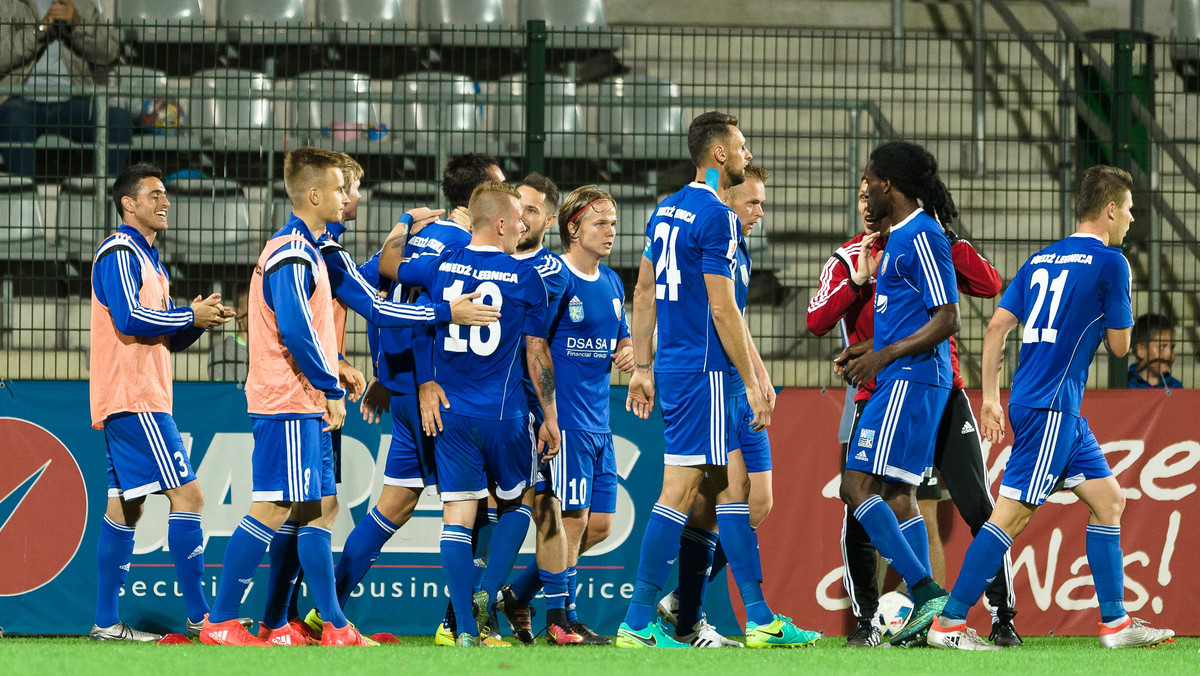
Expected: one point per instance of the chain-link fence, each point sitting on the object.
(218, 106)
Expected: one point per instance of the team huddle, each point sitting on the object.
(494, 355)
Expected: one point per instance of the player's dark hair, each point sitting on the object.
(705, 131)
(914, 172)
(463, 174)
(129, 183)
(1098, 186)
(1149, 325)
(546, 187)
(573, 209)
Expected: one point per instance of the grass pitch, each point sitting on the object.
(1063, 655)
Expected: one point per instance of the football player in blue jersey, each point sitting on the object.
(693, 245)
(485, 437)
(588, 335)
(1071, 297)
(701, 556)
(916, 311)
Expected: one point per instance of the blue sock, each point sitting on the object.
(979, 567)
(880, 523)
(733, 520)
(1108, 570)
(314, 544)
(528, 583)
(243, 553)
(696, 548)
(660, 547)
(481, 543)
(555, 585)
(457, 564)
(360, 551)
(294, 602)
(510, 532)
(114, 551)
(285, 566)
(719, 561)
(572, 616)
(917, 537)
(186, 542)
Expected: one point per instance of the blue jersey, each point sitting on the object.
(741, 291)
(549, 267)
(692, 233)
(479, 366)
(396, 356)
(583, 340)
(1066, 295)
(915, 276)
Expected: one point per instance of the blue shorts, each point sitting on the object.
(696, 418)
(584, 473)
(331, 452)
(292, 461)
(145, 455)
(471, 453)
(410, 457)
(756, 446)
(896, 433)
(1049, 446)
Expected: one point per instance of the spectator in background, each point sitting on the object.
(45, 44)
(229, 358)
(1154, 352)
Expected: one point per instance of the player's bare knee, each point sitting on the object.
(187, 498)
(1109, 509)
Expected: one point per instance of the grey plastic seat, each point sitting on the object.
(178, 21)
(268, 22)
(78, 231)
(437, 114)
(571, 14)
(209, 223)
(641, 118)
(235, 112)
(565, 133)
(486, 17)
(363, 22)
(332, 109)
(24, 238)
(388, 201)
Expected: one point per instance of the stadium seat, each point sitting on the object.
(363, 35)
(569, 14)
(78, 231)
(436, 114)
(640, 120)
(170, 35)
(635, 205)
(210, 223)
(485, 16)
(332, 109)
(273, 36)
(388, 201)
(228, 118)
(24, 238)
(565, 134)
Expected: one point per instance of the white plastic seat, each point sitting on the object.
(564, 126)
(486, 17)
(642, 118)
(388, 201)
(436, 114)
(363, 22)
(237, 113)
(155, 21)
(25, 236)
(635, 204)
(259, 22)
(209, 223)
(332, 109)
(77, 229)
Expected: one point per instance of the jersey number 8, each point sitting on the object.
(489, 295)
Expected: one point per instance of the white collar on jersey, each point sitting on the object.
(527, 256)
(453, 224)
(903, 223)
(577, 273)
(1088, 234)
(703, 186)
(484, 247)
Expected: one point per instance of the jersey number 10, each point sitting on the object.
(489, 294)
(666, 263)
(1041, 279)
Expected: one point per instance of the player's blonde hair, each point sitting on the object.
(351, 171)
(306, 168)
(574, 207)
(488, 199)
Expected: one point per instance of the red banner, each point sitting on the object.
(1151, 441)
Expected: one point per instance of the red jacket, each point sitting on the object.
(838, 302)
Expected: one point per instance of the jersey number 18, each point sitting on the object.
(489, 294)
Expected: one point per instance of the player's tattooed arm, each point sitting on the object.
(541, 368)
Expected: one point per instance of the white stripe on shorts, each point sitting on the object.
(157, 449)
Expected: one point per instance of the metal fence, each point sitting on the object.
(218, 108)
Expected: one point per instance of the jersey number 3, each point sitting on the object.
(1041, 279)
(668, 288)
(489, 294)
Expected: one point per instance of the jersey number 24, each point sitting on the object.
(666, 266)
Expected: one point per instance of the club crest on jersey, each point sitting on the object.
(883, 265)
(617, 307)
(745, 275)
(575, 309)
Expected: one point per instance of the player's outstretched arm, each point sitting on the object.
(640, 400)
(349, 286)
(991, 413)
(943, 324)
(541, 374)
(411, 221)
(731, 330)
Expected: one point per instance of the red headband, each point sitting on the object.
(584, 207)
